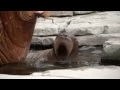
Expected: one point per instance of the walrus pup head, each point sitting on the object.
(66, 47)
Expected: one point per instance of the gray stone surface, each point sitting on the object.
(42, 40)
(61, 26)
(111, 52)
(85, 29)
(104, 18)
(96, 23)
(61, 13)
(43, 29)
(82, 12)
(96, 72)
(113, 28)
(96, 39)
(83, 40)
(112, 45)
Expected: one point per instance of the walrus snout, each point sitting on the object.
(63, 46)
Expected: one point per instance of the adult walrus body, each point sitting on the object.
(16, 30)
(65, 48)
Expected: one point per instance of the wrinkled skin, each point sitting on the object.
(65, 49)
(16, 32)
(63, 46)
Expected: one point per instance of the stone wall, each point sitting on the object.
(90, 27)
(69, 13)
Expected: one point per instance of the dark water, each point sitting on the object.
(90, 56)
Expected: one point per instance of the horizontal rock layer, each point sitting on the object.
(83, 40)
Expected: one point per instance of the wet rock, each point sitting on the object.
(111, 52)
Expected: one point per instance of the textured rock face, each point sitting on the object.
(92, 29)
(112, 45)
(82, 40)
(61, 13)
(43, 40)
(85, 29)
(111, 52)
(46, 29)
(96, 39)
(82, 12)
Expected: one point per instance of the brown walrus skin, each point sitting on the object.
(16, 30)
(65, 48)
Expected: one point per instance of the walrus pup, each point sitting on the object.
(65, 49)
(16, 30)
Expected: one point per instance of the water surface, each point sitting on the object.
(89, 55)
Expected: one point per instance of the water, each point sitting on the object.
(89, 55)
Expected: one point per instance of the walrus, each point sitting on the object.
(65, 49)
(16, 30)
